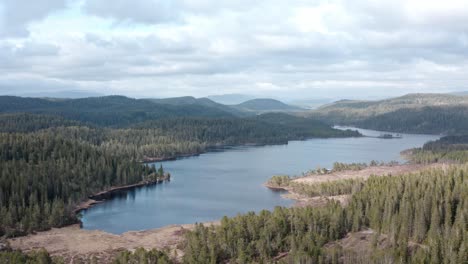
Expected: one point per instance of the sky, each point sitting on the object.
(268, 48)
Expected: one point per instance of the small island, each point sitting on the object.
(389, 136)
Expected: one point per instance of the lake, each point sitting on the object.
(230, 181)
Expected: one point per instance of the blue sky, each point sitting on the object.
(292, 49)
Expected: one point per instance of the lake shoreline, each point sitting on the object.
(104, 195)
(192, 168)
(72, 242)
(364, 174)
(218, 147)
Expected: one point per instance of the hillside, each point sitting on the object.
(409, 101)
(204, 102)
(266, 105)
(230, 99)
(56, 153)
(72, 94)
(416, 113)
(108, 110)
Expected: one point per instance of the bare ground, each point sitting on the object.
(301, 200)
(365, 173)
(75, 245)
(358, 247)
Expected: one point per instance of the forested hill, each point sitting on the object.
(108, 110)
(266, 105)
(206, 102)
(54, 153)
(446, 149)
(413, 113)
(409, 101)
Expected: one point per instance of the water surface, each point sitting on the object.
(209, 186)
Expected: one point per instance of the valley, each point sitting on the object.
(211, 157)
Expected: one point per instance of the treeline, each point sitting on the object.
(111, 111)
(445, 149)
(43, 175)
(23, 122)
(49, 163)
(281, 181)
(427, 210)
(141, 255)
(356, 166)
(428, 120)
(330, 188)
(413, 113)
(168, 138)
(18, 257)
(258, 238)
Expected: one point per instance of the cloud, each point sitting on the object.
(161, 11)
(15, 15)
(143, 11)
(33, 49)
(295, 48)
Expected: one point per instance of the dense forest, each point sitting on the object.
(114, 111)
(424, 215)
(413, 113)
(43, 175)
(430, 120)
(167, 138)
(445, 149)
(55, 153)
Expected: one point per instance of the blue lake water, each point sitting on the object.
(228, 182)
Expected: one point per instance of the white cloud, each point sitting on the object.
(15, 15)
(283, 48)
(144, 11)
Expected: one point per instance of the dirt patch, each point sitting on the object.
(361, 242)
(303, 201)
(365, 173)
(362, 246)
(73, 243)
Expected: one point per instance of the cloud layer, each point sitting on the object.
(294, 49)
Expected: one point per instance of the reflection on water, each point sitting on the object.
(228, 182)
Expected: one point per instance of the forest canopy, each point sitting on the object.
(55, 153)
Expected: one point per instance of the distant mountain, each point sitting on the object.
(266, 105)
(461, 93)
(206, 102)
(73, 94)
(310, 103)
(358, 108)
(416, 113)
(107, 110)
(230, 99)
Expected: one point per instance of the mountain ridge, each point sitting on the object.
(266, 105)
(412, 113)
(105, 110)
